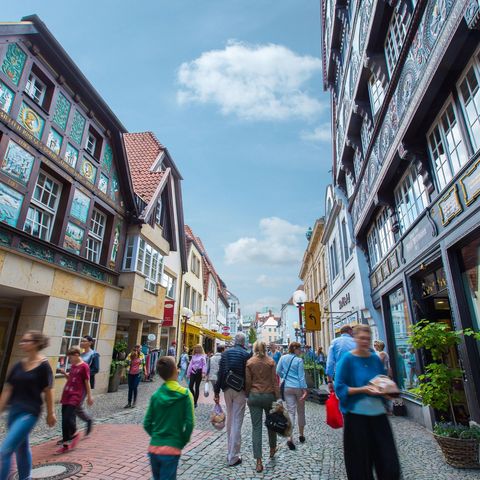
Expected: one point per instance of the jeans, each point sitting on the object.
(164, 467)
(133, 382)
(20, 424)
(181, 375)
(259, 403)
(69, 422)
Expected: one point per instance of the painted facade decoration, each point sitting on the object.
(6, 97)
(114, 187)
(116, 243)
(73, 238)
(103, 183)
(71, 155)
(28, 118)
(80, 206)
(54, 141)
(10, 204)
(62, 110)
(89, 170)
(14, 62)
(107, 159)
(77, 128)
(17, 163)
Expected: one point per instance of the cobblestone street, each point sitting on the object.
(118, 445)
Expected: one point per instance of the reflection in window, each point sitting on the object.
(403, 355)
(470, 268)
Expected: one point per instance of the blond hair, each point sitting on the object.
(198, 349)
(260, 348)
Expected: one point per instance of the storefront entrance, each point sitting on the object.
(8, 315)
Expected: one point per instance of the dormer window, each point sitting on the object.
(36, 89)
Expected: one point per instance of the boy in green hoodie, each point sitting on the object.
(169, 421)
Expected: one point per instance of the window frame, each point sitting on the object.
(29, 86)
(395, 38)
(150, 265)
(95, 237)
(347, 250)
(376, 100)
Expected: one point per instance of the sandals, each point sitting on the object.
(259, 467)
(273, 451)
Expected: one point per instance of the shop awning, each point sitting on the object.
(213, 334)
(193, 329)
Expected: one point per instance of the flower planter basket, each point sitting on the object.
(460, 452)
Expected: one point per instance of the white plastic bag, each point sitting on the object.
(217, 417)
(206, 390)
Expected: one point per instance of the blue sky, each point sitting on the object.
(233, 88)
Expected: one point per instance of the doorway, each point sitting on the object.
(8, 314)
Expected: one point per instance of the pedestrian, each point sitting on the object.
(197, 370)
(169, 421)
(344, 343)
(22, 392)
(135, 363)
(309, 354)
(320, 359)
(90, 357)
(183, 364)
(274, 353)
(231, 379)
(379, 348)
(367, 436)
(262, 389)
(75, 390)
(214, 365)
(290, 370)
(172, 349)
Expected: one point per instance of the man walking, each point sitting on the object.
(231, 379)
(172, 349)
(344, 343)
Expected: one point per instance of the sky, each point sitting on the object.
(234, 90)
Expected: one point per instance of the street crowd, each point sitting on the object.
(263, 379)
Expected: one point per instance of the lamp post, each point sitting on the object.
(299, 298)
(186, 315)
(296, 327)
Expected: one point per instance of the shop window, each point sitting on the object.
(469, 91)
(446, 145)
(403, 356)
(81, 320)
(43, 207)
(410, 199)
(470, 268)
(150, 265)
(95, 236)
(376, 93)
(395, 37)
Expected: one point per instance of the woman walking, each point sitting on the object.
(367, 436)
(183, 364)
(261, 387)
(380, 349)
(135, 366)
(90, 357)
(214, 365)
(23, 389)
(321, 359)
(196, 371)
(290, 370)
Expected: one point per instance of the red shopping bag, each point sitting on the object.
(334, 415)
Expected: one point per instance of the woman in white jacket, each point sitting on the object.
(214, 365)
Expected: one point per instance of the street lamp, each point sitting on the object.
(299, 298)
(186, 315)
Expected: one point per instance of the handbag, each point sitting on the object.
(277, 422)
(282, 385)
(334, 415)
(234, 381)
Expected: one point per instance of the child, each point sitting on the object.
(75, 390)
(169, 421)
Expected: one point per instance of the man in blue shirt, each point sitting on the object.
(309, 356)
(274, 353)
(344, 343)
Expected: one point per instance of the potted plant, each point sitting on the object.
(120, 350)
(459, 443)
(116, 372)
(314, 372)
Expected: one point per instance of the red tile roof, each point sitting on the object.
(143, 150)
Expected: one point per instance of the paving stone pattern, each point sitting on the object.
(117, 448)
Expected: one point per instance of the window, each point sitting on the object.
(470, 98)
(193, 303)
(186, 295)
(170, 283)
(373, 247)
(212, 290)
(333, 259)
(91, 144)
(81, 320)
(350, 184)
(395, 37)
(129, 253)
(410, 199)
(95, 236)
(376, 92)
(347, 251)
(446, 146)
(385, 234)
(233, 307)
(150, 264)
(42, 210)
(403, 355)
(195, 265)
(35, 89)
(158, 213)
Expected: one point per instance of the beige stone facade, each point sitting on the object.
(313, 275)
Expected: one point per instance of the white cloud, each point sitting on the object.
(323, 133)
(280, 243)
(260, 304)
(253, 82)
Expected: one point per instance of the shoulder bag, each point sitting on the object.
(233, 380)
(282, 385)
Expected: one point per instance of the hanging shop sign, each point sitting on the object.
(168, 313)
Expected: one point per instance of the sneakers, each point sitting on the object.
(301, 438)
(63, 449)
(134, 404)
(74, 441)
(128, 405)
(291, 445)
